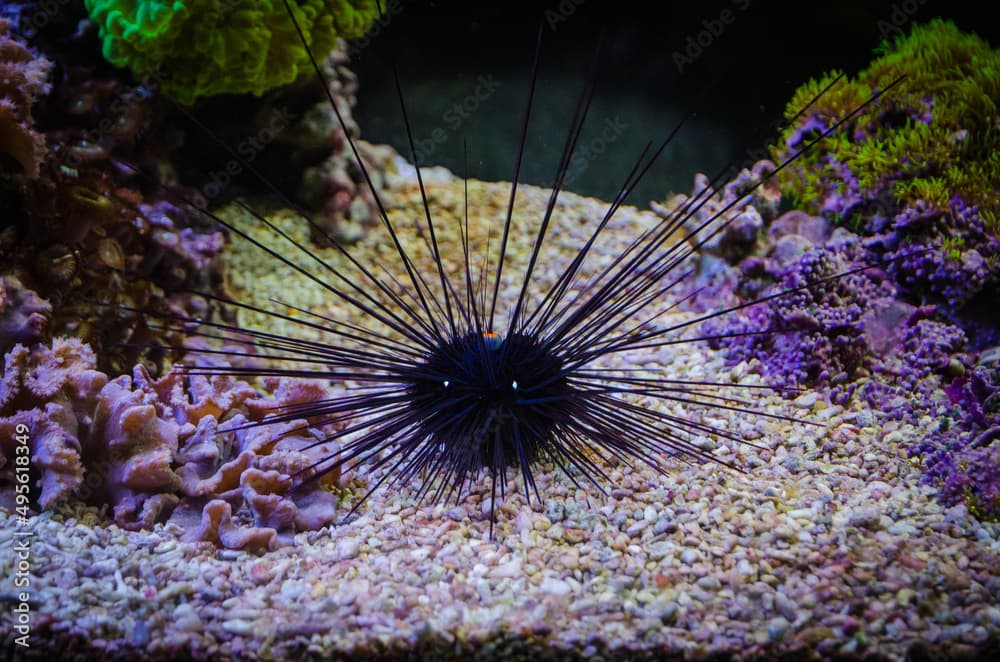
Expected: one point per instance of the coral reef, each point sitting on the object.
(855, 335)
(912, 183)
(154, 449)
(87, 232)
(23, 80)
(101, 232)
(919, 166)
(205, 47)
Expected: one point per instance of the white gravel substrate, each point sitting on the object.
(827, 546)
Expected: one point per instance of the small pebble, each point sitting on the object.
(807, 400)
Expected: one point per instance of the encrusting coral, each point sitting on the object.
(23, 80)
(155, 448)
(204, 47)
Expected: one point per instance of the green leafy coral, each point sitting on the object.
(933, 137)
(203, 47)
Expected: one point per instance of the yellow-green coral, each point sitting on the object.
(932, 137)
(202, 47)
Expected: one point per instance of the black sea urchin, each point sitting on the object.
(445, 383)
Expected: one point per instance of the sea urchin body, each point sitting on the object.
(447, 379)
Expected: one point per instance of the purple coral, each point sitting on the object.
(137, 447)
(953, 275)
(51, 391)
(815, 334)
(962, 457)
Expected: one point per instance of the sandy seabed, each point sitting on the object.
(827, 547)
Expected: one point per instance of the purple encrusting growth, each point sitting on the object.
(934, 254)
(813, 336)
(951, 275)
(964, 458)
(859, 337)
(915, 175)
(961, 457)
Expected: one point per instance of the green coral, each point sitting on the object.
(202, 47)
(934, 136)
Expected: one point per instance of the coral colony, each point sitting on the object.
(856, 268)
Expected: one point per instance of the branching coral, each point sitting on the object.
(205, 47)
(23, 80)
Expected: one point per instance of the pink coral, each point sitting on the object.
(23, 79)
(146, 446)
(51, 391)
(138, 446)
(189, 398)
(217, 526)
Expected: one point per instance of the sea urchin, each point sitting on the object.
(445, 384)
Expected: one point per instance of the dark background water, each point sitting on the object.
(476, 57)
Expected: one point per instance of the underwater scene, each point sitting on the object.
(409, 329)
